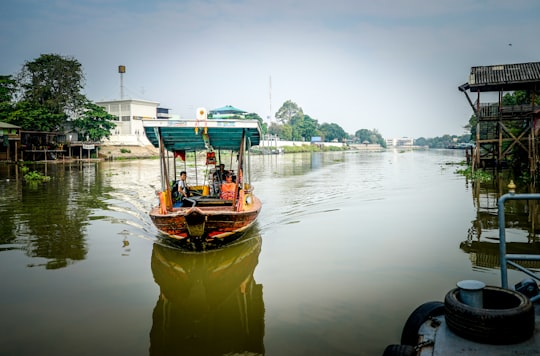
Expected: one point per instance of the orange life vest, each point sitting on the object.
(227, 191)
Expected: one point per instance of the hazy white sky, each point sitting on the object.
(390, 65)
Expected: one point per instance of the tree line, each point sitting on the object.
(46, 95)
(293, 125)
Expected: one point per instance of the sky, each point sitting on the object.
(388, 65)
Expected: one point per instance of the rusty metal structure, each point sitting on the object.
(505, 133)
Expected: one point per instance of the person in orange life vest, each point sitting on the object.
(228, 188)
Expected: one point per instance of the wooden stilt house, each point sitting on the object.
(10, 140)
(505, 133)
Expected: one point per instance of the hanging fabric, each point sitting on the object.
(181, 154)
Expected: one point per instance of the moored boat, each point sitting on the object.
(477, 319)
(209, 219)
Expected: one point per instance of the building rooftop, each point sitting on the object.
(507, 77)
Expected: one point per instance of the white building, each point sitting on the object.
(130, 113)
(400, 142)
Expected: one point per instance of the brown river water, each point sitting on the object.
(347, 245)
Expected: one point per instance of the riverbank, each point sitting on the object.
(128, 152)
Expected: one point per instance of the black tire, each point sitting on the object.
(409, 335)
(399, 350)
(507, 317)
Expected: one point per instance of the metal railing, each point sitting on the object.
(509, 259)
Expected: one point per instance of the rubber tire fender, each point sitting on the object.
(409, 335)
(399, 350)
(507, 317)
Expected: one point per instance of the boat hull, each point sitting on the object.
(205, 223)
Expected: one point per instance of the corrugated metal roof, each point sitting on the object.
(517, 76)
(227, 109)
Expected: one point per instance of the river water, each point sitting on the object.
(347, 245)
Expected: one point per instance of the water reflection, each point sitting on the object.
(209, 304)
(48, 220)
(521, 225)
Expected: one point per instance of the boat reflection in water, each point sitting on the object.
(209, 303)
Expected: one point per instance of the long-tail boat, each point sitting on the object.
(206, 220)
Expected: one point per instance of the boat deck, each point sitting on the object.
(448, 343)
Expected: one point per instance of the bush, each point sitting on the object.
(35, 176)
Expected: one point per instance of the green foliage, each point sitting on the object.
(7, 92)
(35, 118)
(478, 175)
(94, 122)
(332, 132)
(54, 83)
(364, 135)
(8, 85)
(444, 141)
(311, 148)
(49, 92)
(36, 176)
(125, 150)
(284, 131)
(520, 97)
(288, 111)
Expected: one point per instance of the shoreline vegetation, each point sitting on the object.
(140, 152)
(129, 152)
(115, 152)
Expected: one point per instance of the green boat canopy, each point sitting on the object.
(194, 135)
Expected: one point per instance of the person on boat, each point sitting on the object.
(228, 188)
(218, 177)
(220, 172)
(183, 190)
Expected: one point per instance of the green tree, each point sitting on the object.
(94, 122)
(520, 97)
(371, 136)
(34, 118)
(52, 83)
(363, 135)
(307, 128)
(8, 86)
(288, 111)
(284, 132)
(333, 132)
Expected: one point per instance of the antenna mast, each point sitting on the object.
(270, 98)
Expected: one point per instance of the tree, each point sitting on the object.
(287, 111)
(333, 132)
(284, 132)
(8, 86)
(520, 97)
(53, 84)
(94, 122)
(309, 128)
(34, 118)
(363, 135)
(53, 81)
